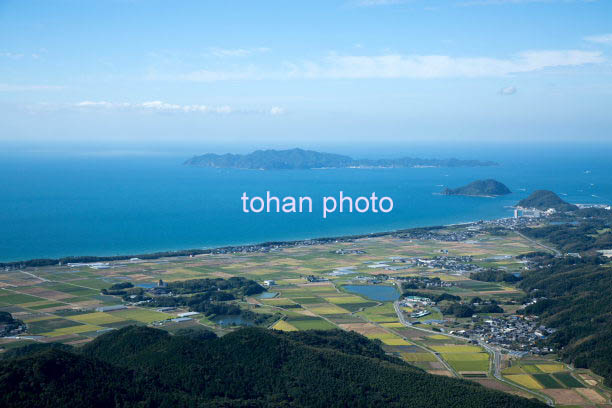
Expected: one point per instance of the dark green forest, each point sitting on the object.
(487, 187)
(145, 367)
(212, 297)
(587, 236)
(493, 275)
(574, 296)
(544, 199)
(574, 293)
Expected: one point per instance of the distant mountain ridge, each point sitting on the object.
(310, 159)
(487, 188)
(545, 199)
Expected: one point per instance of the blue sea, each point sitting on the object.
(54, 205)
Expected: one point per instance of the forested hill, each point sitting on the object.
(144, 367)
(544, 199)
(573, 293)
(309, 159)
(488, 187)
(575, 297)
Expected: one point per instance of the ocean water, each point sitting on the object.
(59, 205)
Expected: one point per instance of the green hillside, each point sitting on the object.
(575, 298)
(488, 187)
(144, 367)
(544, 199)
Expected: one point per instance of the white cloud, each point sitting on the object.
(509, 90)
(276, 110)
(402, 66)
(237, 52)
(600, 39)
(159, 106)
(372, 3)
(18, 56)
(27, 88)
(504, 2)
(204, 75)
(499, 2)
(11, 55)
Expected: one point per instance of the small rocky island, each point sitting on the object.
(309, 159)
(479, 188)
(545, 199)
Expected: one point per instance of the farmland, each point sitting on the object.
(558, 381)
(64, 303)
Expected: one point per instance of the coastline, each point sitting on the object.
(266, 246)
(255, 247)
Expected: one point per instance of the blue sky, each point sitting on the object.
(142, 73)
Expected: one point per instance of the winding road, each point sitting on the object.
(493, 351)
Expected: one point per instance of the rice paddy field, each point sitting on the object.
(564, 385)
(62, 303)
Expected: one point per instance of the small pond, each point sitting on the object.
(146, 285)
(267, 295)
(380, 293)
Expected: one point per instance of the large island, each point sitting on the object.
(309, 159)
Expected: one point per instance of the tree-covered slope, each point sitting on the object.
(249, 367)
(54, 378)
(487, 187)
(575, 298)
(585, 237)
(544, 199)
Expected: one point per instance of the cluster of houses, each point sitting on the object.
(278, 246)
(417, 304)
(453, 236)
(515, 332)
(313, 279)
(92, 265)
(423, 282)
(343, 251)
(459, 264)
(512, 223)
(12, 329)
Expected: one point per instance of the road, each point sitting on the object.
(437, 355)
(35, 276)
(493, 351)
(557, 252)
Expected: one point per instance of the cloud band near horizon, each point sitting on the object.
(159, 107)
(397, 66)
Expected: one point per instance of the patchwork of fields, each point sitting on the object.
(556, 380)
(59, 304)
